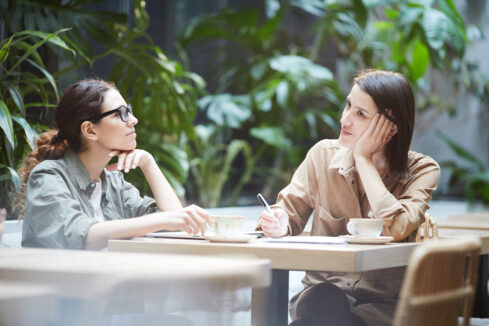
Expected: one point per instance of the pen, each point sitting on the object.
(267, 207)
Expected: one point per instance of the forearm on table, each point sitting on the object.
(100, 233)
(163, 193)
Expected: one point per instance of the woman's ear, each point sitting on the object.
(88, 131)
(393, 131)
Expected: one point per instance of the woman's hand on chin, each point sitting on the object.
(373, 140)
(130, 160)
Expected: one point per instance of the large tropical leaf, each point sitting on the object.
(45, 37)
(300, 66)
(272, 136)
(225, 109)
(30, 134)
(460, 151)
(6, 124)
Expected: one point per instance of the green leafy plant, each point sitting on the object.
(27, 90)
(282, 101)
(270, 88)
(473, 177)
(164, 97)
(211, 166)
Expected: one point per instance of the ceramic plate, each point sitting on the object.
(374, 240)
(241, 238)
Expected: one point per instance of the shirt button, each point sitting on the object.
(92, 184)
(348, 283)
(353, 182)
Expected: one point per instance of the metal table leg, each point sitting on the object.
(269, 306)
(481, 302)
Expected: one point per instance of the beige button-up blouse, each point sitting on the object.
(326, 183)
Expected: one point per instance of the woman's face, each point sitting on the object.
(359, 110)
(112, 132)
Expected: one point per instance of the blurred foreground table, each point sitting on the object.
(27, 304)
(284, 257)
(98, 278)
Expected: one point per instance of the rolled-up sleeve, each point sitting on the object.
(53, 218)
(404, 214)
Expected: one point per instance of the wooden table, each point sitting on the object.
(106, 276)
(469, 221)
(283, 257)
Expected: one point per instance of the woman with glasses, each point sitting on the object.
(74, 200)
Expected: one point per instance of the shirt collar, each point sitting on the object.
(342, 160)
(79, 170)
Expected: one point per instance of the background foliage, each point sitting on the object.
(275, 82)
(281, 90)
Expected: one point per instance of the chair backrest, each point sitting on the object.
(439, 283)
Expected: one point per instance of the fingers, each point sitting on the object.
(372, 127)
(186, 228)
(112, 167)
(190, 221)
(268, 218)
(199, 222)
(198, 218)
(203, 213)
(384, 129)
(389, 129)
(128, 160)
(128, 164)
(120, 162)
(114, 153)
(136, 162)
(275, 225)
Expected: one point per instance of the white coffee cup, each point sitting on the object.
(365, 227)
(228, 225)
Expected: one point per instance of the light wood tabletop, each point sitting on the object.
(284, 256)
(470, 221)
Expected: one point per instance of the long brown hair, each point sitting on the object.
(394, 99)
(80, 102)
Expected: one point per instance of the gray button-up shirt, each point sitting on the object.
(58, 209)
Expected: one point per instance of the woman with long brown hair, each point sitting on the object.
(369, 172)
(74, 200)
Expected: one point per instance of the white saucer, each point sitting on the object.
(366, 240)
(239, 238)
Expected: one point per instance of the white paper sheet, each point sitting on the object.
(306, 239)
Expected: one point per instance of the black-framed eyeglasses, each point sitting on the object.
(123, 113)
